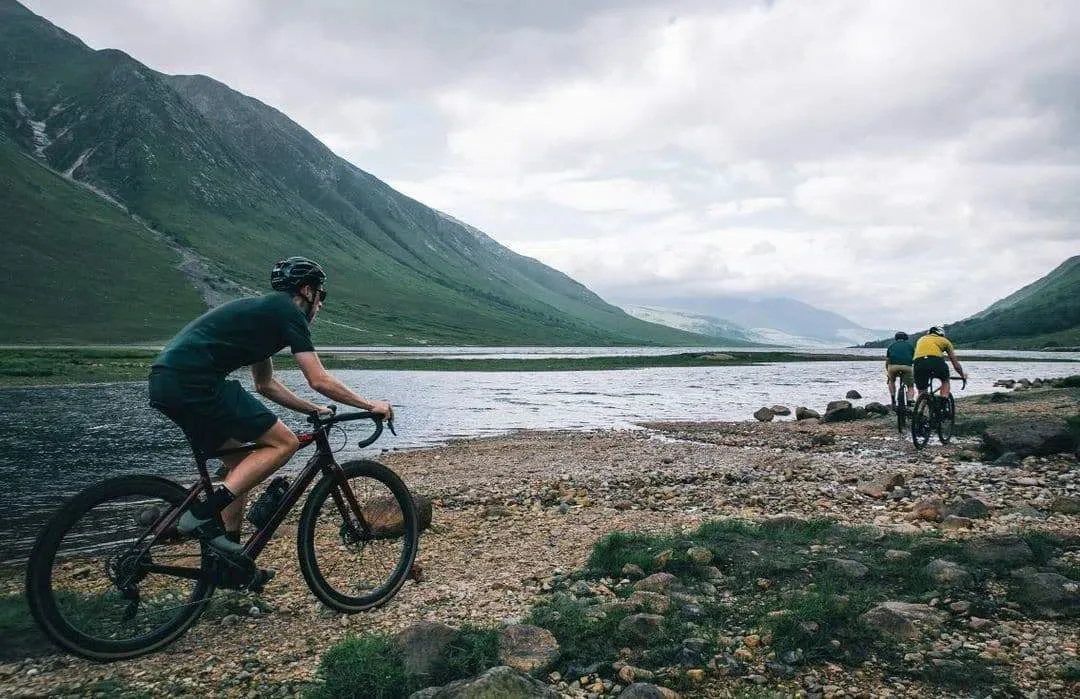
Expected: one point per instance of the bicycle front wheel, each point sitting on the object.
(920, 422)
(356, 563)
(100, 584)
(948, 419)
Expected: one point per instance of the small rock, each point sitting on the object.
(947, 574)
(929, 509)
(781, 410)
(853, 395)
(804, 413)
(952, 522)
(764, 414)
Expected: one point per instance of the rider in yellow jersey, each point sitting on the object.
(930, 353)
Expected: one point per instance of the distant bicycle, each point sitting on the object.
(110, 576)
(900, 405)
(934, 413)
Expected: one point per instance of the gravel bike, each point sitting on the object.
(934, 413)
(900, 404)
(111, 577)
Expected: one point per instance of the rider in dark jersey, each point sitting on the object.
(188, 384)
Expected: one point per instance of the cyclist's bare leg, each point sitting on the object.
(278, 444)
(892, 389)
(945, 389)
(233, 515)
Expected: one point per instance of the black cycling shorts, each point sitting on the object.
(209, 409)
(927, 368)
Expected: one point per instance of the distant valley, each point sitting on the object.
(774, 321)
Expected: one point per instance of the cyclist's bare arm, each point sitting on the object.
(956, 364)
(268, 385)
(330, 386)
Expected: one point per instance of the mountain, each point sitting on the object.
(724, 331)
(168, 193)
(1045, 313)
(772, 321)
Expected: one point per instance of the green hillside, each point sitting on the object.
(80, 270)
(232, 185)
(1045, 313)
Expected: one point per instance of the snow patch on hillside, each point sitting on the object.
(41, 139)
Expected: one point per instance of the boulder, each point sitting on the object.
(929, 509)
(804, 413)
(642, 627)
(1066, 505)
(877, 409)
(423, 644)
(657, 582)
(764, 414)
(999, 550)
(840, 411)
(644, 690)
(846, 567)
(384, 515)
(1049, 594)
(947, 574)
(853, 395)
(1029, 436)
(502, 681)
(781, 410)
(903, 620)
(971, 508)
(530, 649)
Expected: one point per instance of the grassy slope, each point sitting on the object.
(79, 269)
(1045, 313)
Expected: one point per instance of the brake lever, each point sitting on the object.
(390, 424)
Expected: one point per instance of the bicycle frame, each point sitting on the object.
(321, 461)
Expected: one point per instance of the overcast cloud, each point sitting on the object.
(901, 163)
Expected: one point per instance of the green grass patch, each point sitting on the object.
(19, 635)
(777, 582)
(362, 667)
(373, 666)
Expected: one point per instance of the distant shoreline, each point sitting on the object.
(60, 366)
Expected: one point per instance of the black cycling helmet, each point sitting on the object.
(937, 330)
(900, 335)
(294, 272)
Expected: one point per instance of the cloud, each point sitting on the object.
(898, 162)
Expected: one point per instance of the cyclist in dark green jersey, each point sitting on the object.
(188, 384)
(898, 363)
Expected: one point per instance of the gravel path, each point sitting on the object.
(509, 511)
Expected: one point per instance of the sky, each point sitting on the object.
(901, 163)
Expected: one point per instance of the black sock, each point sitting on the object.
(219, 500)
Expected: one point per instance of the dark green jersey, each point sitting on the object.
(237, 334)
(900, 352)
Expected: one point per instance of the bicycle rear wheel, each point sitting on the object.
(901, 407)
(920, 422)
(351, 565)
(947, 415)
(94, 582)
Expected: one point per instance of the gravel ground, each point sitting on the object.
(510, 511)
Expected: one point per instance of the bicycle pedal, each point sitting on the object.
(260, 578)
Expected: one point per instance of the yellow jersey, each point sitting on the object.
(932, 346)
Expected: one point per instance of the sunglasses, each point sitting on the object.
(321, 293)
